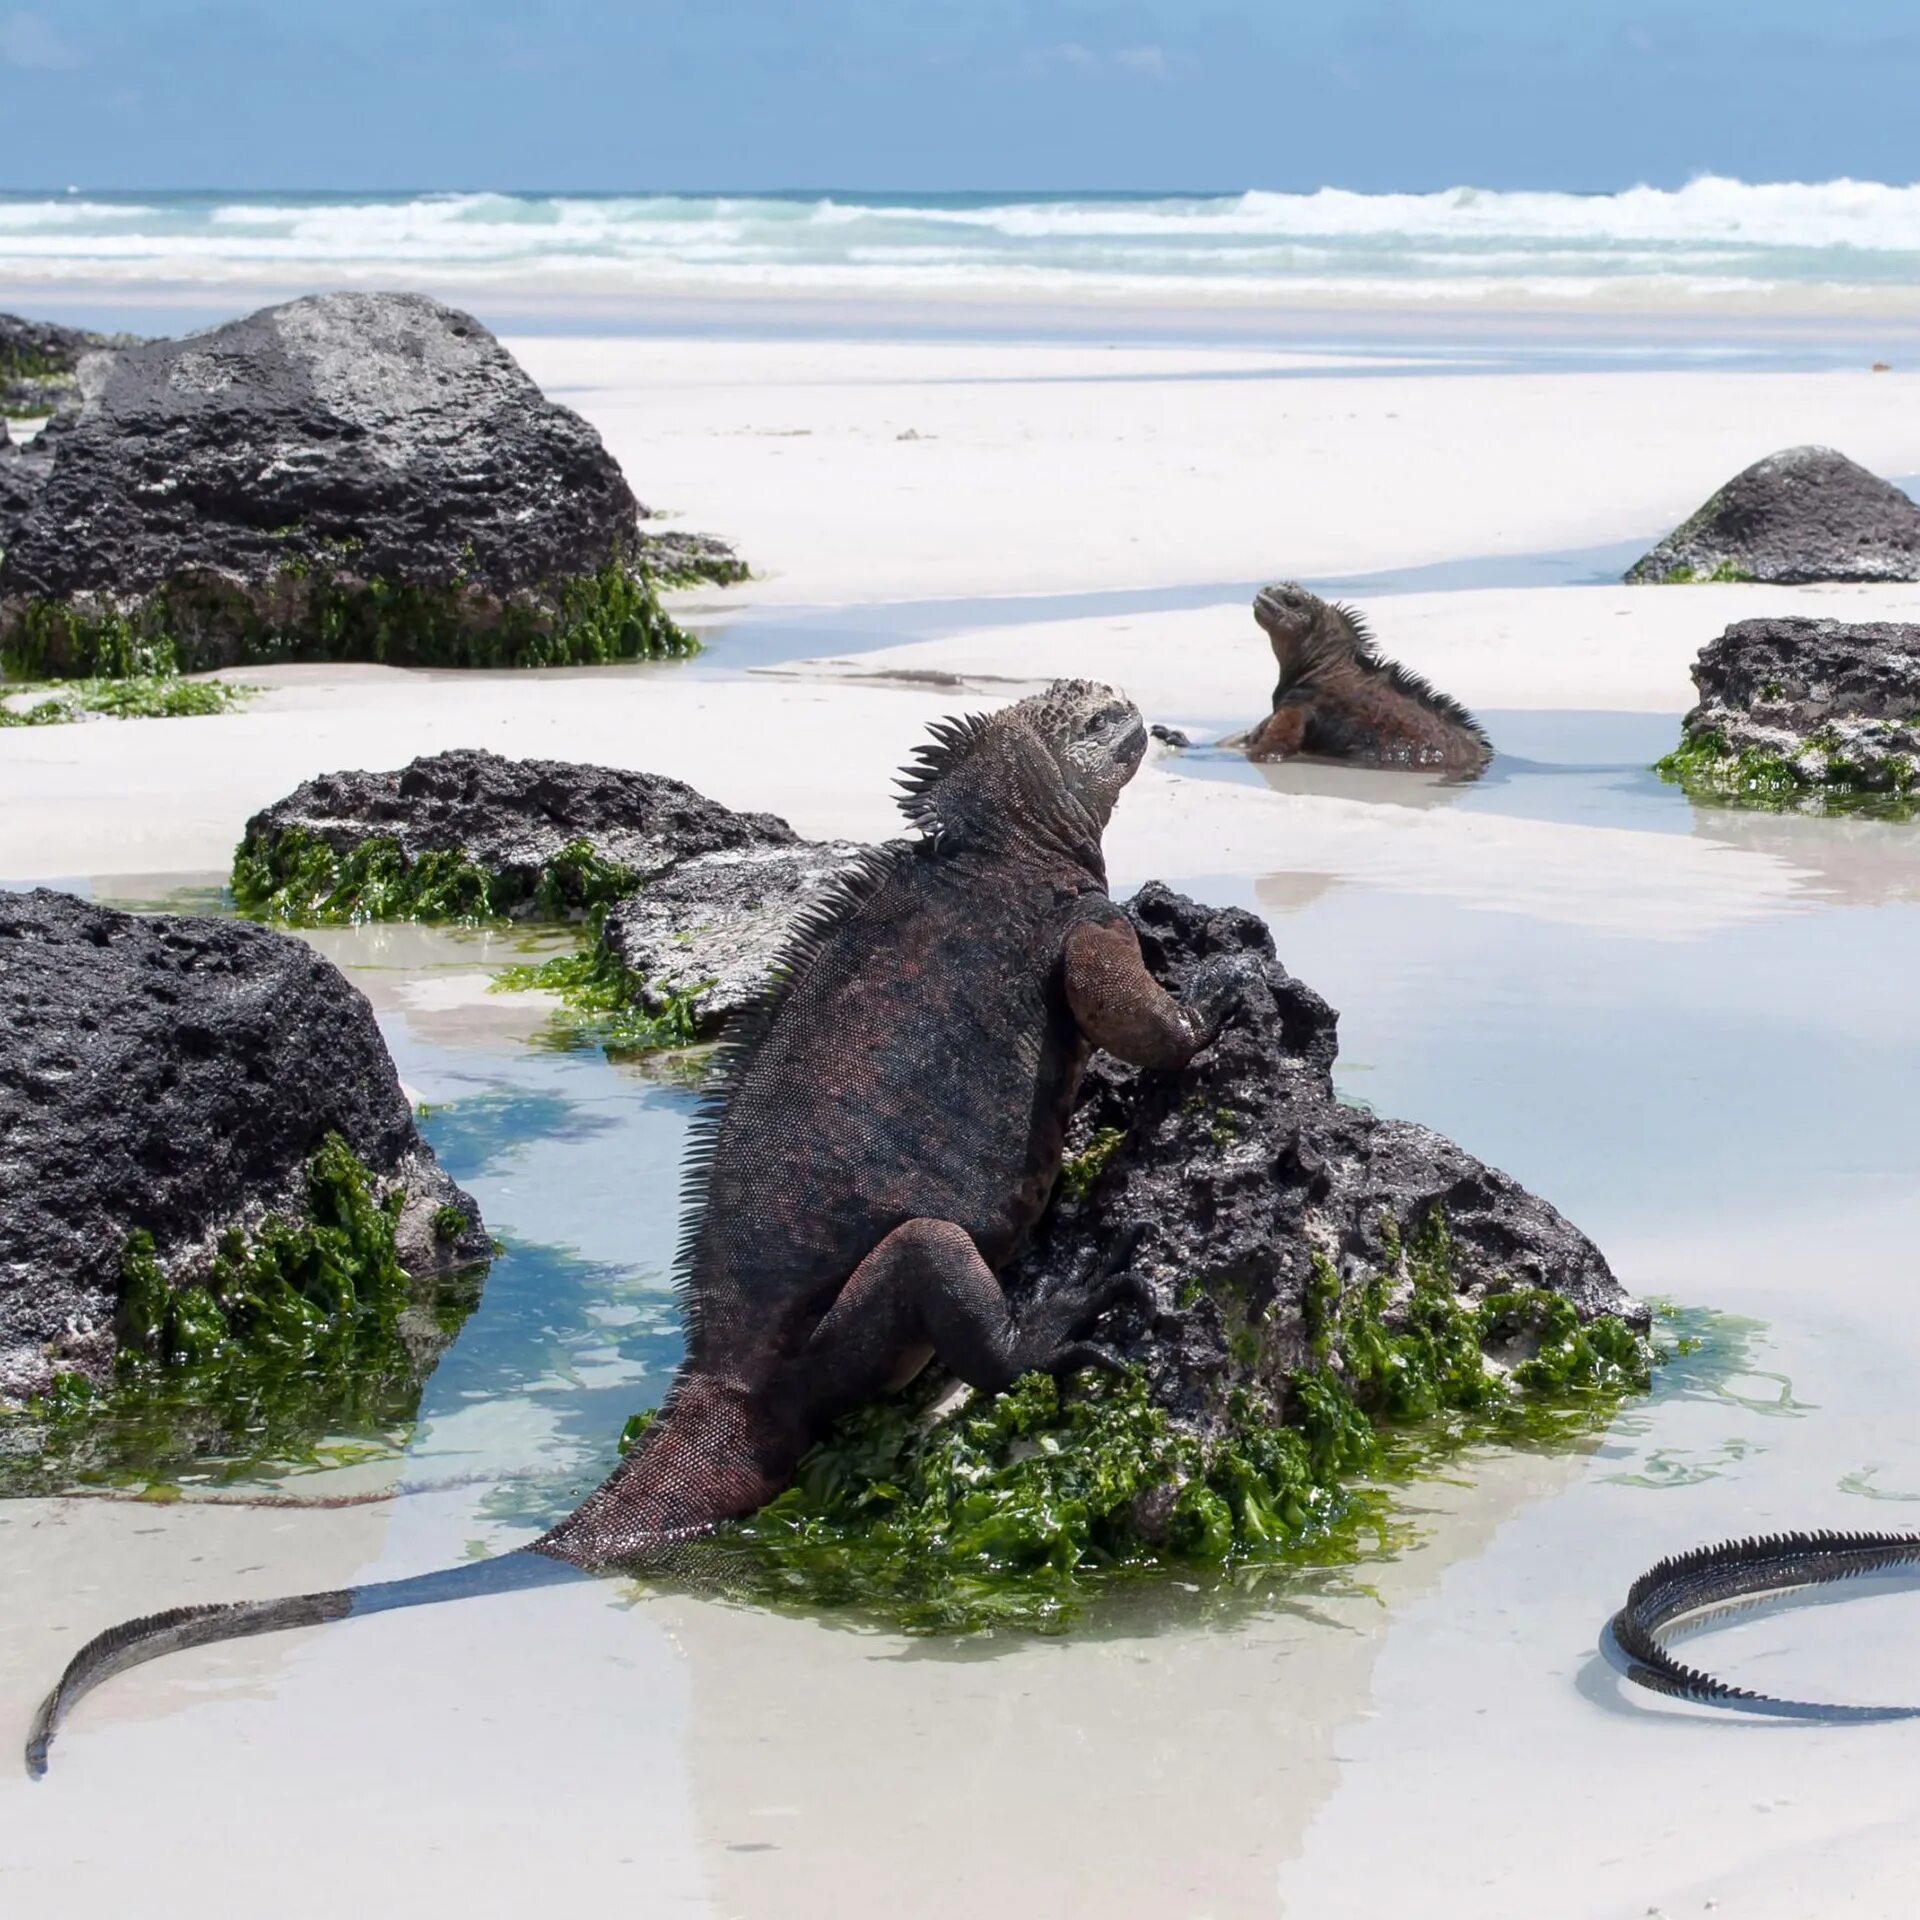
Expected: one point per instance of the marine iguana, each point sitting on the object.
(1339, 697)
(1710, 1577)
(885, 1129)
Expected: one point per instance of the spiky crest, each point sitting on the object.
(1764, 1563)
(934, 762)
(840, 901)
(1341, 636)
(952, 813)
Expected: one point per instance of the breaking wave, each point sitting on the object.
(1710, 236)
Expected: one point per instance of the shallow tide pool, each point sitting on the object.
(1724, 1101)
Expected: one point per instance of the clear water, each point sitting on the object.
(1725, 1104)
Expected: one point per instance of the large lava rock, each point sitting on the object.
(699, 900)
(1796, 708)
(348, 476)
(520, 824)
(1808, 513)
(175, 1077)
(1220, 1184)
(39, 360)
(705, 936)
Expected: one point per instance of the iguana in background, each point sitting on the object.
(885, 1129)
(1338, 697)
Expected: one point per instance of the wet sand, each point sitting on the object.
(1690, 1029)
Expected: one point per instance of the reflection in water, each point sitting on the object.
(1728, 1113)
(1852, 862)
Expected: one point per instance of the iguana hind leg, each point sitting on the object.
(924, 1289)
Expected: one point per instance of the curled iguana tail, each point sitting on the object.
(134, 1642)
(1707, 1577)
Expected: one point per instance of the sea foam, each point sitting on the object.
(1710, 236)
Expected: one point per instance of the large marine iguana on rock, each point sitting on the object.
(886, 1128)
(1337, 695)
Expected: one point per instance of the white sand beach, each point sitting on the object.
(1692, 1031)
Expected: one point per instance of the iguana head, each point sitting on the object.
(1289, 613)
(1053, 763)
(1308, 633)
(1096, 736)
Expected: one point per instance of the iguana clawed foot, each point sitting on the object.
(1051, 1327)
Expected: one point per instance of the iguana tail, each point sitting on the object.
(700, 1464)
(1710, 1576)
(136, 1641)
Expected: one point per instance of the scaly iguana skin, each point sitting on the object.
(1709, 1579)
(886, 1129)
(1339, 698)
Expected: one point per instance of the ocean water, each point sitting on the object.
(1856, 242)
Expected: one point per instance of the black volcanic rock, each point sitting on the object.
(347, 476)
(706, 934)
(175, 1077)
(698, 900)
(1220, 1183)
(513, 821)
(512, 816)
(1807, 513)
(1793, 708)
(22, 470)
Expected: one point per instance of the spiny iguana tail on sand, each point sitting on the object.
(1709, 1578)
(1339, 697)
(886, 1129)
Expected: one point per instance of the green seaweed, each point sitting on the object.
(298, 1332)
(1723, 573)
(688, 568)
(49, 640)
(1079, 1171)
(311, 610)
(299, 879)
(22, 363)
(1018, 1509)
(600, 1005)
(1709, 770)
(147, 697)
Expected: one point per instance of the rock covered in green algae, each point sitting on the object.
(1815, 715)
(694, 901)
(204, 1154)
(1807, 513)
(1229, 1185)
(1330, 1292)
(469, 834)
(39, 361)
(702, 940)
(348, 476)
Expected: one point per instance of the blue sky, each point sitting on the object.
(948, 94)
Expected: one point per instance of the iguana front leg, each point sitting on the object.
(1279, 736)
(925, 1292)
(1120, 1006)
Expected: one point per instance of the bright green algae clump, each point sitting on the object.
(599, 1003)
(1830, 783)
(298, 878)
(1016, 1509)
(299, 1334)
(1722, 573)
(312, 611)
(149, 697)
